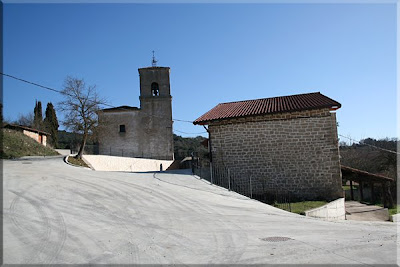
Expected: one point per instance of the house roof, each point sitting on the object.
(280, 104)
(120, 108)
(14, 126)
(367, 175)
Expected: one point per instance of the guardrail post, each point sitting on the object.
(229, 180)
(251, 190)
(211, 173)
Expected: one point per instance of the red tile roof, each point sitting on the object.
(281, 104)
(14, 126)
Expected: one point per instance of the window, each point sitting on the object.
(122, 128)
(155, 91)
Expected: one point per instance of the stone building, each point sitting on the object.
(284, 143)
(144, 132)
(37, 135)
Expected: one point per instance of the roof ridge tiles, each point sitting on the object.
(261, 106)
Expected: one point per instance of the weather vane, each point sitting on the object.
(154, 61)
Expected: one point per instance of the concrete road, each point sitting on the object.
(56, 213)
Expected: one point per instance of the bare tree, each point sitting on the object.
(25, 119)
(80, 104)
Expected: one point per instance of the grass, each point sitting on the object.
(392, 211)
(347, 187)
(77, 162)
(16, 145)
(301, 207)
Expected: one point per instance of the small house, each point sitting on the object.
(38, 135)
(281, 143)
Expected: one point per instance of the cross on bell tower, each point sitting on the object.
(154, 61)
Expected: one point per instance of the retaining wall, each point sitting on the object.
(65, 152)
(113, 163)
(333, 211)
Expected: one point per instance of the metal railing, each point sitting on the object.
(242, 183)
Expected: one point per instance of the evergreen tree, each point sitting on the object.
(39, 112)
(35, 111)
(38, 118)
(35, 114)
(51, 124)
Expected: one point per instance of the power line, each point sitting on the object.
(64, 93)
(111, 106)
(48, 88)
(36, 84)
(362, 143)
(182, 120)
(188, 133)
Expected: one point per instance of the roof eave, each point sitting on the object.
(206, 122)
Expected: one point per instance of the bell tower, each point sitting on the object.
(156, 111)
(154, 83)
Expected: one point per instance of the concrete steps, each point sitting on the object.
(357, 211)
(174, 165)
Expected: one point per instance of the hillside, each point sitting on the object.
(16, 144)
(371, 159)
(184, 146)
(67, 140)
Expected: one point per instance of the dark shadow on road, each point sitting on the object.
(197, 189)
(179, 172)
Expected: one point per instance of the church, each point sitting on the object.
(144, 132)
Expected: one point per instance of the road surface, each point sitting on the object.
(56, 213)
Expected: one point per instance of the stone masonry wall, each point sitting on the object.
(297, 152)
(114, 143)
(145, 136)
(35, 136)
(32, 135)
(44, 140)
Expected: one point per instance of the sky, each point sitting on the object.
(217, 53)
